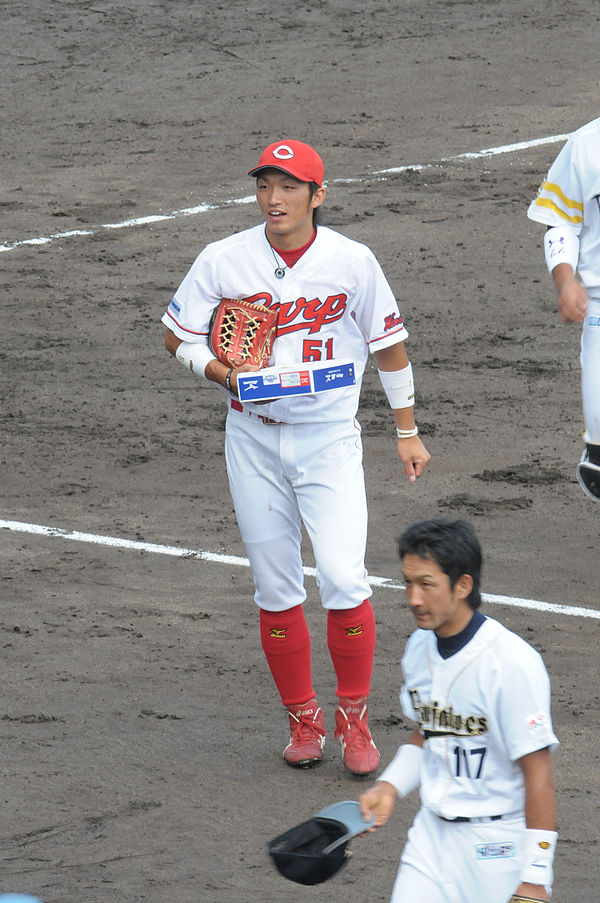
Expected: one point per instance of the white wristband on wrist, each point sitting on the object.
(561, 245)
(195, 356)
(399, 387)
(538, 857)
(404, 771)
(407, 434)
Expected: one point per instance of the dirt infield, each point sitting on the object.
(141, 735)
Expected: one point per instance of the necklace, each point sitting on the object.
(279, 270)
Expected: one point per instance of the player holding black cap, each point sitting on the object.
(479, 696)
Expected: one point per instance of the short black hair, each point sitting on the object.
(316, 217)
(452, 545)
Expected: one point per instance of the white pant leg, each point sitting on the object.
(266, 510)
(280, 474)
(590, 373)
(412, 885)
(330, 489)
(465, 861)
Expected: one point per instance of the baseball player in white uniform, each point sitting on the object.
(480, 752)
(568, 203)
(298, 460)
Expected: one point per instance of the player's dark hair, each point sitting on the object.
(454, 547)
(312, 187)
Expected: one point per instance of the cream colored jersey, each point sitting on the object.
(479, 711)
(570, 196)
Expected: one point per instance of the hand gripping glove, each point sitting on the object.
(242, 333)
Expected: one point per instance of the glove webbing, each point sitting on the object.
(230, 321)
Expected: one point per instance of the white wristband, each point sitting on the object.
(195, 356)
(399, 387)
(407, 434)
(538, 857)
(561, 245)
(404, 771)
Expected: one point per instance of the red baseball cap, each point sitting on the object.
(294, 157)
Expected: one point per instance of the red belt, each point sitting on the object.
(238, 406)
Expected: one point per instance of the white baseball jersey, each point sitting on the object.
(479, 710)
(334, 303)
(570, 196)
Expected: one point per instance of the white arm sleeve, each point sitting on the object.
(195, 356)
(399, 387)
(561, 245)
(404, 771)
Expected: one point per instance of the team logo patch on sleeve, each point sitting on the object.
(175, 306)
(537, 722)
(391, 322)
(495, 850)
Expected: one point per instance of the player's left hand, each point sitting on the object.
(528, 893)
(245, 368)
(414, 457)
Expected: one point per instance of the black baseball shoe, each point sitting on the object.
(588, 473)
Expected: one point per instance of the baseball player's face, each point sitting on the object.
(434, 603)
(287, 207)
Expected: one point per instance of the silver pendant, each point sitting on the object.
(279, 272)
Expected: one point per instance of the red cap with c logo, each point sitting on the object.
(293, 157)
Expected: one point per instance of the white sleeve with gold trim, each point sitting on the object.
(559, 200)
(570, 199)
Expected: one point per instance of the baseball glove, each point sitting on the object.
(242, 333)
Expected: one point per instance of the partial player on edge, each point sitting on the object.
(298, 460)
(480, 752)
(568, 203)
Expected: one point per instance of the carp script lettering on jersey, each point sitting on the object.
(314, 313)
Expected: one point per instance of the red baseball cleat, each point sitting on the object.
(307, 735)
(359, 753)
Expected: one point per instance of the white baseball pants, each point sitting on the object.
(590, 372)
(459, 862)
(283, 475)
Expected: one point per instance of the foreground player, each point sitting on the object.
(299, 460)
(568, 203)
(480, 753)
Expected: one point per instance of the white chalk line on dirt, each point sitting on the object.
(205, 208)
(236, 561)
